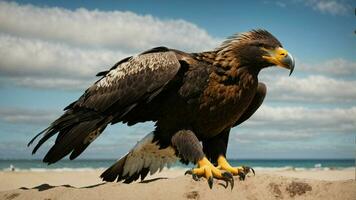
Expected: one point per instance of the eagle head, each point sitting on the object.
(259, 49)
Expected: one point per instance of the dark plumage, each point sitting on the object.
(191, 97)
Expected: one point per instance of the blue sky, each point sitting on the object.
(50, 52)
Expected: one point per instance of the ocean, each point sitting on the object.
(257, 164)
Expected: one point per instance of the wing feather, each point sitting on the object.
(129, 82)
(139, 78)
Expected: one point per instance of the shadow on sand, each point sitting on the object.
(152, 180)
(45, 186)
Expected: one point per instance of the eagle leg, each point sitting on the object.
(209, 171)
(189, 149)
(241, 171)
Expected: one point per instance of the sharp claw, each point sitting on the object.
(210, 182)
(195, 177)
(241, 176)
(188, 172)
(253, 171)
(226, 184)
(245, 171)
(228, 178)
(248, 169)
(227, 175)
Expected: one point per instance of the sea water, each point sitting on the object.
(257, 164)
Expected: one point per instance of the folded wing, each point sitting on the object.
(128, 83)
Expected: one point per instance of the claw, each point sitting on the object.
(188, 172)
(247, 169)
(226, 184)
(241, 176)
(207, 170)
(228, 178)
(253, 171)
(194, 176)
(210, 182)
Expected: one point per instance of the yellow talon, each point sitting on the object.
(209, 171)
(241, 171)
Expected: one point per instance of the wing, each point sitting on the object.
(130, 82)
(254, 105)
(135, 80)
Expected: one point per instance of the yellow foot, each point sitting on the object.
(209, 171)
(241, 171)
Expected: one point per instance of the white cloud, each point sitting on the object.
(296, 123)
(40, 64)
(285, 129)
(313, 88)
(332, 7)
(61, 48)
(33, 57)
(27, 116)
(271, 136)
(281, 4)
(330, 81)
(338, 67)
(50, 83)
(126, 31)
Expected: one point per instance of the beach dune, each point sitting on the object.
(172, 184)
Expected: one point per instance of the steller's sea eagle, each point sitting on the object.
(191, 98)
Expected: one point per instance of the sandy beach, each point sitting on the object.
(172, 184)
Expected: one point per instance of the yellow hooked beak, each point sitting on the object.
(280, 57)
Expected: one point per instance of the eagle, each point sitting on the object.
(194, 99)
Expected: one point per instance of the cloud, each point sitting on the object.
(327, 119)
(295, 132)
(61, 48)
(272, 136)
(339, 68)
(330, 81)
(299, 132)
(280, 4)
(27, 116)
(40, 64)
(276, 128)
(275, 124)
(33, 57)
(126, 31)
(332, 7)
(313, 89)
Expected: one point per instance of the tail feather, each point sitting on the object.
(114, 171)
(145, 157)
(76, 130)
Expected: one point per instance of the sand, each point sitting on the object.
(172, 184)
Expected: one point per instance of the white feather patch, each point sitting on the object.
(152, 62)
(146, 154)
